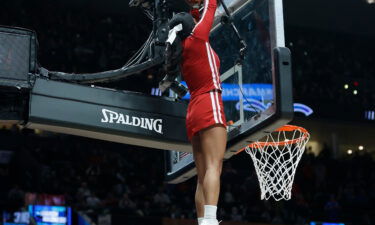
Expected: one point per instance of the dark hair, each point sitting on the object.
(187, 22)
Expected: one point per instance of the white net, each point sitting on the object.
(276, 158)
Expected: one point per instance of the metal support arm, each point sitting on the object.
(228, 19)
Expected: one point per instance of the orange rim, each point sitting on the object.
(288, 128)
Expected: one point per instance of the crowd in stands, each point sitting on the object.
(96, 176)
(325, 62)
(75, 39)
(78, 39)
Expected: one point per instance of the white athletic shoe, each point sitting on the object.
(210, 222)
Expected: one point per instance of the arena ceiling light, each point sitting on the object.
(370, 1)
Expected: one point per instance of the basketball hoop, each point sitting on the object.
(275, 158)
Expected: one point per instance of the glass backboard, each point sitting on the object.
(257, 91)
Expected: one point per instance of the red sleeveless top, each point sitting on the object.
(200, 63)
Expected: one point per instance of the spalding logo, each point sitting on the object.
(145, 123)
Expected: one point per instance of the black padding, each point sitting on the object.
(86, 109)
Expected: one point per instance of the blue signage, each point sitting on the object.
(50, 215)
(256, 97)
(232, 92)
(325, 223)
(298, 107)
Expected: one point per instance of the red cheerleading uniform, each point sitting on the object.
(200, 69)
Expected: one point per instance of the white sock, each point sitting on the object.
(200, 220)
(210, 211)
